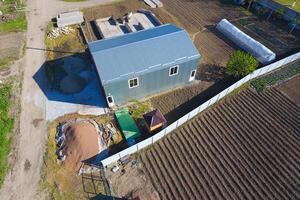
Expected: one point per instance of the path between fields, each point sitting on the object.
(22, 181)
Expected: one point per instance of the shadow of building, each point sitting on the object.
(71, 79)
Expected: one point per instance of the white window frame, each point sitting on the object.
(113, 101)
(176, 66)
(132, 79)
(193, 77)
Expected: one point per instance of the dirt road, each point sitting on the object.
(22, 181)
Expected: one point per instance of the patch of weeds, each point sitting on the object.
(23, 48)
(271, 79)
(17, 24)
(6, 127)
(4, 64)
(64, 45)
(243, 22)
(138, 108)
(245, 11)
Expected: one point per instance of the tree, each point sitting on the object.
(241, 64)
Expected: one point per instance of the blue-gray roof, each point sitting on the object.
(139, 52)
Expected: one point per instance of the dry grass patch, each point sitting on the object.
(57, 181)
(64, 45)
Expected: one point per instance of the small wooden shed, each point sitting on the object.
(154, 120)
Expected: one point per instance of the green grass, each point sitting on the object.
(138, 108)
(271, 79)
(17, 24)
(6, 127)
(4, 63)
(289, 4)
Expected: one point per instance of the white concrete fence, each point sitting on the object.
(145, 143)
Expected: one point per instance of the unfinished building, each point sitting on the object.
(131, 22)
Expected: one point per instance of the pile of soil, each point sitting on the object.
(81, 143)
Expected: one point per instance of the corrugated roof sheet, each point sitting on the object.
(70, 18)
(137, 52)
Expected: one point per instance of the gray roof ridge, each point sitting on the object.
(131, 33)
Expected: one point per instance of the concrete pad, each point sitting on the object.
(55, 109)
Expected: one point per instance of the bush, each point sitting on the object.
(241, 64)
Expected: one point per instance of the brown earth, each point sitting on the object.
(132, 183)
(202, 13)
(10, 48)
(243, 148)
(176, 103)
(214, 48)
(272, 36)
(171, 100)
(291, 89)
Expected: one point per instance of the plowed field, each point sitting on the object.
(202, 13)
(246, 147)
(291, 89)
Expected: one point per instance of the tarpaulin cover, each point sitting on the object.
(255, 48)
(127, 124)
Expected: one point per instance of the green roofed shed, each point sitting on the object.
(127, 124)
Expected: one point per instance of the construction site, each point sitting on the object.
(110, 27)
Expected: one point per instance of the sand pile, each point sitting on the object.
(81, 143)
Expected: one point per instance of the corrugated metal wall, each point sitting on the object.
(150, 83)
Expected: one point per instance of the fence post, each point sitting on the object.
(165, 133)
(218, 97)
(235, 86)
(188, 118)
(268, 69)
(177, 123)
(209, 103)
(199, 109)
(250, 76)
(152, 139)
